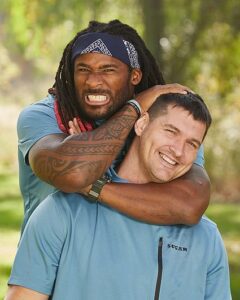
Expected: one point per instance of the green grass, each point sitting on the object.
(11, 211)
(227, 216)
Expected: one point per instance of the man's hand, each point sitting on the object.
(74, 127)
(148, 97)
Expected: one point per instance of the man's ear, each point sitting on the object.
(141, 124)
(136, 76)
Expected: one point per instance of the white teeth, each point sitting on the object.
(97, 98)
(168, 160)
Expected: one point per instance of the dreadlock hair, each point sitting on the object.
(64, 79)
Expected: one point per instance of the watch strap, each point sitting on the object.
(96, 188)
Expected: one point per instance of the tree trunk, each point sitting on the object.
(153, 16)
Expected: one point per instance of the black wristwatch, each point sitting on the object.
(96, 188)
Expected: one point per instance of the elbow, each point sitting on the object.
(192, 218)
(198, 202)
(67, 183)
(193, 215)
(60, 174)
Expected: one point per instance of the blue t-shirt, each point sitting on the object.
(35, 122)
(75, 249)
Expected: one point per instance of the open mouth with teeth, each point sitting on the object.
(168, 159)
(97, 99)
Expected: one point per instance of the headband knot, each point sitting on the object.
(107, 44)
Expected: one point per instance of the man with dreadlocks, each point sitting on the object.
(105, 79)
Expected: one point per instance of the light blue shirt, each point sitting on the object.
(75, 249)
(35, 122)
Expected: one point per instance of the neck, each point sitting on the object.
(130, 167)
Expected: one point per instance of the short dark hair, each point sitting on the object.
(190, 102)
(64, 79)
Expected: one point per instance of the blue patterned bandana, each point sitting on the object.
(104, 43)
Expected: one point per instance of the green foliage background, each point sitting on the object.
(197, 43)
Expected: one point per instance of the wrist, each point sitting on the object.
(95, 190)
(136, 106)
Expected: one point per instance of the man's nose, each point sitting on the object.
(94, 79)
(177, 147)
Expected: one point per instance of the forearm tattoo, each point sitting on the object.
(87, 154)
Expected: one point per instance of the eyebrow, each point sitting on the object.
(176, 129)
(101, 67)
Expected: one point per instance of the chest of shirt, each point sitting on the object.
(117, 253)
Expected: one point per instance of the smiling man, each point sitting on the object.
(73, 248)
(169, 142)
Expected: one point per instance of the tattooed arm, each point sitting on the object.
(72, 162)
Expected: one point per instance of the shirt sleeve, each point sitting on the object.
(35, 122)
(37, 259)
(200, 157)
(218, 281)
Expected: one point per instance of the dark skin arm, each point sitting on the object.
(181, 201)
(71, 163)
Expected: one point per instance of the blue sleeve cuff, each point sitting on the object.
(200, 157)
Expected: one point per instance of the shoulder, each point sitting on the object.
(60, 207)
(205, 232)
(205, 221)
(45, 105)
(207, 225)
(208, 231)
(36, 121)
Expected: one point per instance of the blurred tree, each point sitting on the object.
(195, 43)
(154, 29)
(176, 34)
